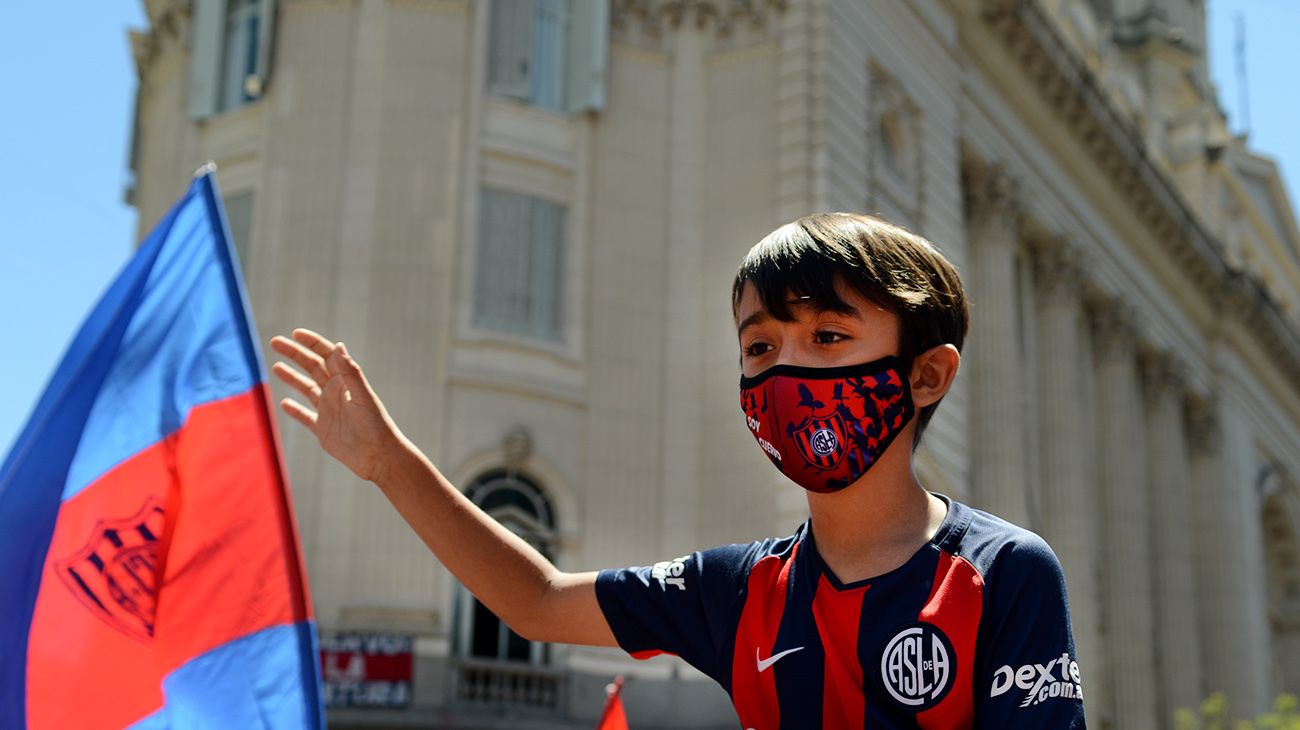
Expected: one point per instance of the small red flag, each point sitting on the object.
(613, 718)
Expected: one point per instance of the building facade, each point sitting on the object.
(523, 216)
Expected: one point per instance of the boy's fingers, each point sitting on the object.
(305, 359)
(300, 413)
(314, 342)
(299, 382)
(351, 371)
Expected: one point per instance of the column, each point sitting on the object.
(1069, 495)
(1125, 520)
(993, 351)
(681, 425)
(1232, 607)
(1178, 646)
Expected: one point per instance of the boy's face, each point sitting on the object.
(814, 338)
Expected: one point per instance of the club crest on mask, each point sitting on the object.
(821, 442)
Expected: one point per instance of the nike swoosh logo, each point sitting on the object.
(765, 664)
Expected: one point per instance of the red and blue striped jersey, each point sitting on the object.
(973, 631)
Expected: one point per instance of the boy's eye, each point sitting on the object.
(826, 337)
(757, 348)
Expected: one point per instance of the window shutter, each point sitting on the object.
(237, 43)
(255, 86)
(500, 291)
(207, 30)
(547, 257)
(588, 55)
(511, 48)
(516, 251)
(550, 61)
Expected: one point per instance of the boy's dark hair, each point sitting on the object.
(888, 265)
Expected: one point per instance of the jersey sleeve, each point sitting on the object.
(1028, 674)
(687, 606)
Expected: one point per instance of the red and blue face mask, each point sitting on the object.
(824, 427)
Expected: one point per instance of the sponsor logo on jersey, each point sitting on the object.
(669, 573)
(1041, 682)
(765, 664)
(918, 666)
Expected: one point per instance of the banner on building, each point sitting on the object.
(367, 669)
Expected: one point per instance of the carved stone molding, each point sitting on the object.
(1058, 269)
(517, 446)
(1203, 430)
(991, 197)
(169, 23)
(724, 15)
(1163, 375)
(1114, 328)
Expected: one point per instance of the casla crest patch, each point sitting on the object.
(115, 574)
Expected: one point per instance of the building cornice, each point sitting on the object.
(723, 15)
(1120, 151)
(1151, 25)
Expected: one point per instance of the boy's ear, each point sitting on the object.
(932, 374)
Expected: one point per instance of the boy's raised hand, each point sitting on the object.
(341, 408)
(514, 580)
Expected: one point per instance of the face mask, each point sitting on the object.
(824, 427)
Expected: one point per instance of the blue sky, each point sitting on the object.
(65, 137)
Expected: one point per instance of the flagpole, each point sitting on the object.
(242, 308)
(613, 717)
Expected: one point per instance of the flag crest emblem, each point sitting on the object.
(115, 574)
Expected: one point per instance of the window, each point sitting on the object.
(521, 506)
(549, 53)
(239, 55)
(518, 265)
(230, 50)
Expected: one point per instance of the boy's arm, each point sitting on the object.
(1029, 672)
(503, 571)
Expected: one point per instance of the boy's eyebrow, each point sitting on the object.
(758, 317)
(762, 315)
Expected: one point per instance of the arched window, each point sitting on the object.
(520, 505)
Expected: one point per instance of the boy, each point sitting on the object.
(890, 608)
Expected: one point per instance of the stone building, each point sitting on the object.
(523, 216)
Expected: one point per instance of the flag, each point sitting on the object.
(613, 718)
(150, 575)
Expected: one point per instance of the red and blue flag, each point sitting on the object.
(150, 575)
